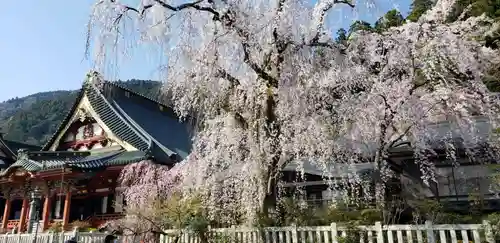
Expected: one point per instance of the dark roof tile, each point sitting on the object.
(145, 123)
(169, 135)
(15, 146)
(54, 160)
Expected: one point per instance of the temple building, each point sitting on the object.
(7, 157)
(73, 177)
(457, 184)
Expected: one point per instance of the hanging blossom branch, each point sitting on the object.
(227, 19)
(146, 187)
(273, 91)
(146, 181)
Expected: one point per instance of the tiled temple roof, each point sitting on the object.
(40, 161)
(145, 123)
(148, 125)
(9, 148)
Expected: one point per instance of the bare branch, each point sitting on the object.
(194, 5)
(183, 6)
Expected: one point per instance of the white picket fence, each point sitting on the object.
(52, 237)
(378, 233)
(334, 233)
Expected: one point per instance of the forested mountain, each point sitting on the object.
(33, 119)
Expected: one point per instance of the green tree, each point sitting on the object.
(471, 8)
(359, 25)
(419, 7)
(341, 36)
(392, 18)
(492, 79)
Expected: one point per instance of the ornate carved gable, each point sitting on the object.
(84, 132)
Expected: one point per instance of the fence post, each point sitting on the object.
(51, 237)
(233, 233)
(380, 232)
(293, 234)
(92, 233)
(75, 233)
(335, 232)
(430, 232)
(488, 232)
(209, 231)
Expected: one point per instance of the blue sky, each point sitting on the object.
(42, 44)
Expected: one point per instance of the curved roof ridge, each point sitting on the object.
(23, 163)
(132, 127)
(8, 150)
(99, 156)
(157, 101)
(131, 122)
(89, 88)
(149, 98)
(151, 138)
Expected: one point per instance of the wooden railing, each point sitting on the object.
(13, 223)
(111, 216)
(100, 219)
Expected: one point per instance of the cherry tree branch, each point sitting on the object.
(320, 10)
(234, 82)
(225, 75)
(194, 5)
(258, 70)
(386, 104)
(228, 21)
(170, 7)
(280, 44)
(407, 130)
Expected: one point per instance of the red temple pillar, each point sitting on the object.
(46, 211)
(6, 213)
(67, 204)
(24, 215)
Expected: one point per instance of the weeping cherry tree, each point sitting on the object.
(269, 86)
(146, 188)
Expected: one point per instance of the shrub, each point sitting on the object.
(56, 227)
(81, 225)
(494, 220)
